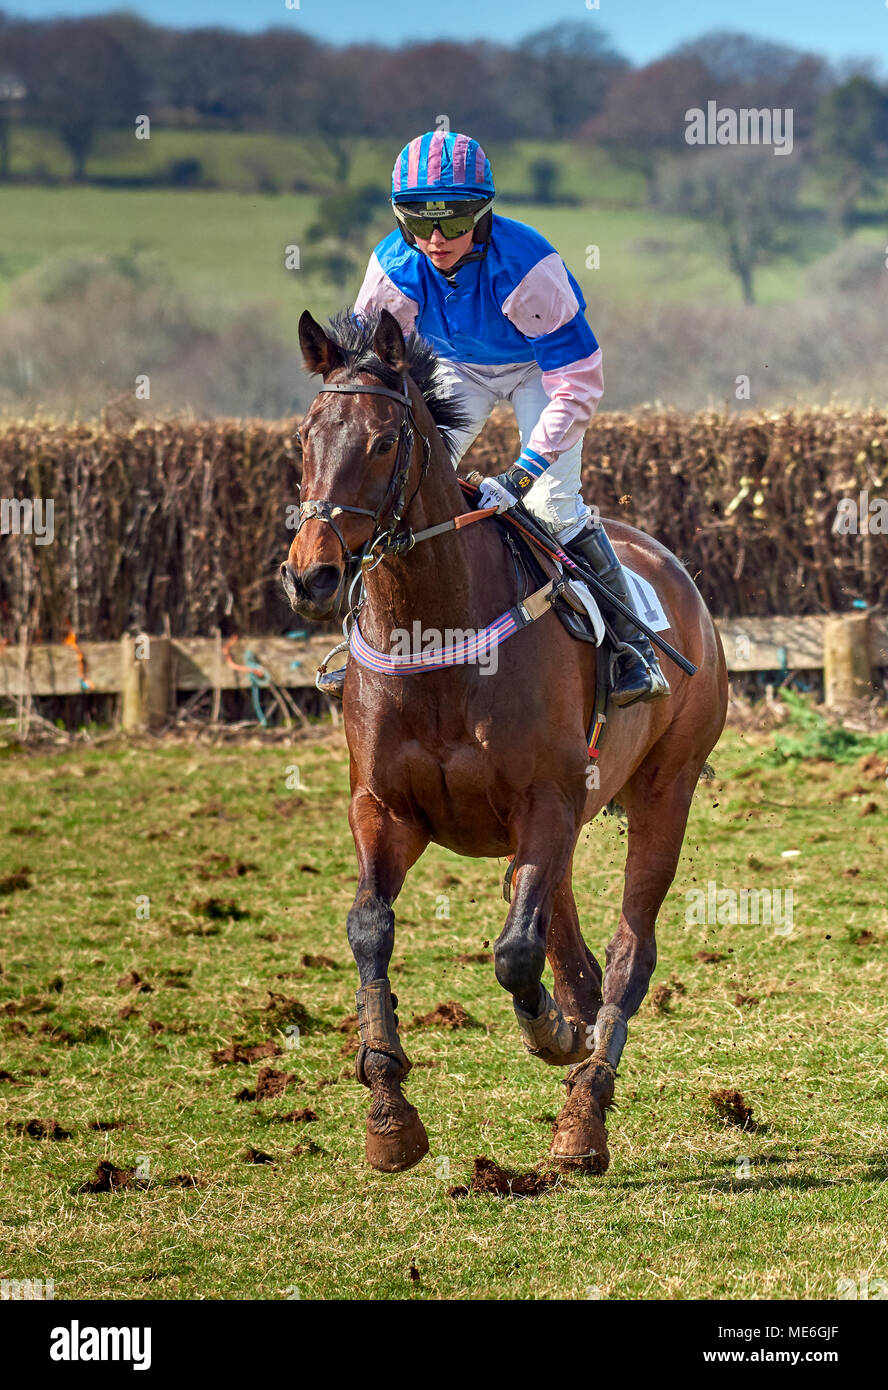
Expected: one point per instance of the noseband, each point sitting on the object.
(385, 541)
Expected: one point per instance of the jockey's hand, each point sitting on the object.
(505, 489)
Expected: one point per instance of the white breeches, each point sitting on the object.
(554, 500)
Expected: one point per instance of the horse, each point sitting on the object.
(490, 760)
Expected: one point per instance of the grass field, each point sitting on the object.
(248, 160)
(209, 833)
(226, 244)
(228, 248)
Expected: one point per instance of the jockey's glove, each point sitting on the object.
(503, 490)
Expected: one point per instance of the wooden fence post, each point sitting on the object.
(846, 658)
(145, 669)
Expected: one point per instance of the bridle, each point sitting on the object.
(392, 539)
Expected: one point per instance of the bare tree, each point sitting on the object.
(747, 197)
(851, 140)
(644, 114)
(79, 77)
(752, 72)
(567, 70)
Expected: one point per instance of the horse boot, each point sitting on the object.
(636, 670)
(396, 1137)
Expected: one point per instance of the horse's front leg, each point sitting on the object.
(387, 846)
(545, 833)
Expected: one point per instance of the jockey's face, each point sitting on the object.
(443, 253)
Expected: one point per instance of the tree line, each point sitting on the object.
(77, 78)
(566, 81)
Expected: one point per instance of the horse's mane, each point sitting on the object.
(354, 338)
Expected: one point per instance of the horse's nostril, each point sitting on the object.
(321, 582)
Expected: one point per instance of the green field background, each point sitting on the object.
(798, 1024)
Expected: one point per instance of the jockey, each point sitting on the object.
(505, 316)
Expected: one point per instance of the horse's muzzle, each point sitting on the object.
(314, 593)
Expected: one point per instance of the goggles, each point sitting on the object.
(453, 219)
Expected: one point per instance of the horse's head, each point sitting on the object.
(357, 443)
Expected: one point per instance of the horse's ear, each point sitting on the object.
(388, 342)
(319, 352)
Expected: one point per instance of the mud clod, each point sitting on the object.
(319, 962)
(488, 1179)
(660, 999)
(28, 1004)
(282, 1010)
(446, 1015)
(238, 1052)
(109, 1178)
(42, 1129)
(709, 957)
(295, 1117)
(214, 865)
(219, 909)
(18, 879)
(270, 1085)
(252, 1155)
(133, 980)
(729, 1105)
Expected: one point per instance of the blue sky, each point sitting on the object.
(642, 29)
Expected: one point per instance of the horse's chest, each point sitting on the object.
(465, 804)
(455, 789)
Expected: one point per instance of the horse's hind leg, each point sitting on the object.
(657, 802)
(386, 846)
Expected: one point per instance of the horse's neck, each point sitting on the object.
(454, 580)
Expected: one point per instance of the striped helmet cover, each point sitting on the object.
(442, 162)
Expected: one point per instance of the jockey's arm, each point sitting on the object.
(544, 307)
(380, 292)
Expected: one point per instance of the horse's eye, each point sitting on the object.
(297, 442)
(383, 445)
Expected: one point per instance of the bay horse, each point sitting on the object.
(488, 762)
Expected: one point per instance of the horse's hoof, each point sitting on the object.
(580, 1142)
(593, 1163)
(396, 1142)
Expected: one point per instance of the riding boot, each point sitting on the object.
(637, 675)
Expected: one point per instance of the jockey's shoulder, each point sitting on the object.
(520, 238)
(518, 248)
(393, 251)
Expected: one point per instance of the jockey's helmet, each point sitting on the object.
(442, 179)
